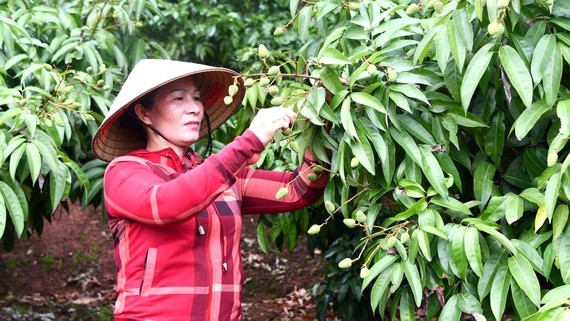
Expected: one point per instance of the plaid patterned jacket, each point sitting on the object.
(177, 232)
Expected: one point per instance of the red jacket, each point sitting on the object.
(176, 225)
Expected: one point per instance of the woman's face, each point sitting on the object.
(176, 114)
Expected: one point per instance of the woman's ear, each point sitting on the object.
(142, 114)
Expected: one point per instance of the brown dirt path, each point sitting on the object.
(68, 274)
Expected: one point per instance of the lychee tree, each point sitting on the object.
(444, 126)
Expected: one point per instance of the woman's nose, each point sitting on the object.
(193, 107)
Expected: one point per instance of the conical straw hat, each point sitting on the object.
(114, 139)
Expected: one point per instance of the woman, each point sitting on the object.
(175, 217)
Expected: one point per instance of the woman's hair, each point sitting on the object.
(130, 119)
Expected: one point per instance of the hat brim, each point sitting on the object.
(114, 139)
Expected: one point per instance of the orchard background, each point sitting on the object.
(444, 125)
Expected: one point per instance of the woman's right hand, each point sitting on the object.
(269, 120)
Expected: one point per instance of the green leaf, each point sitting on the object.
(34, 160)
(551, 194)
(496, 259)
(408, 144)
(363, 152)
(563, 113)
(407, 311)
(483, 182)
(57, 182)
(380, 288)
(15, 158)
(330, 80)
(435, 231)
(498, 236)
(563, 251)
(528, 118)
(303, 22)
(423, 47)
(456, 45)
(423, 242)
(522, 303)
(3, 217)
(333, 57)
(442, 50)
(347, 119)
(514, 209)
(413, 277)
(432, 171)
(517, 72)
(475, 70)
(14, 207)
(499, 291)
(450, 203)
(451, 310)
(522, 272)
(473, 250)
(552, 76)
(377, 268)
(530, 254)
(458, 251)
(48, 156)
(368, 100)
(10, 114)
(559, 220)
(541, 53)
(410, 91)
(415, 128)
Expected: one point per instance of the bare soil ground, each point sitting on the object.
(68, 273)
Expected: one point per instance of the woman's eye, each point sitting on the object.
(197, 98)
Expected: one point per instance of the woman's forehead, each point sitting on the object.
(186, 83)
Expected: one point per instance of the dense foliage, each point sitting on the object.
(448, 123)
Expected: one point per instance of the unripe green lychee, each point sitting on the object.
(404, 237)
(372, 69)
(248, 82)
(351, 223)
(228, 100)
(496, 29)
(353, 6)
(273, 70)
(345, 264)
(360, 216)
(354, 162)
(282, 192)
(317, 169)
(392, 75)
(262, 51)
(391, 241)
(364, 273)
(314, 229)
(294, 147)
(278, 31)
(329, 206)
(438, 6)
(232, 90)
(412, 9)
(276, 101)
(502, 4)
(312, 177)
(88, 117)
(263, 81)
(273, 90)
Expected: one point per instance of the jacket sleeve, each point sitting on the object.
(134, 191)
(259, 188)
